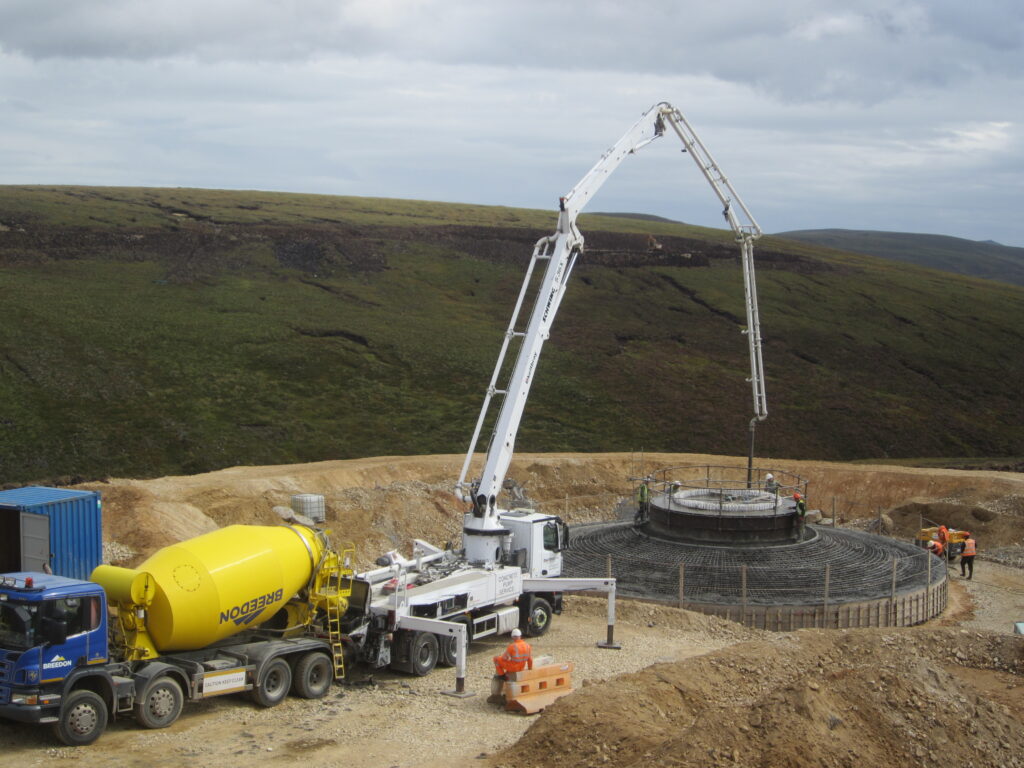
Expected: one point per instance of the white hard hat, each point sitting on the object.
(516, 633)
(769, 476)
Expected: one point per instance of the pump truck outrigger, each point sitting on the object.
(268, 610)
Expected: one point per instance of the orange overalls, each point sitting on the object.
(517, 656)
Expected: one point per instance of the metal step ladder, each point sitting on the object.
(334, 584)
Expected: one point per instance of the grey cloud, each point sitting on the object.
(858, 50)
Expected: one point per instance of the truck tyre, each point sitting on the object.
(83, 718)
(160, 704)
(447, 651)
(539, 619)
(313, 675)
(277, 679)
(448, 646)
(423, 653)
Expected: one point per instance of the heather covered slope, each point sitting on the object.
(151, 332)
(951, 254)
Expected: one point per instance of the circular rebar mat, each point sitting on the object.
(831, 565)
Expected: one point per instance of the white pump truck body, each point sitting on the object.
(412, 614)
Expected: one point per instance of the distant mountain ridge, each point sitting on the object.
(976, 258)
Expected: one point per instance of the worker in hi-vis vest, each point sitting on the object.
(967, 557)
(518, 656)
(643, 502)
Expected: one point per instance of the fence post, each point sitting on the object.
(824, 624)
(892, 595)
(743, 594)
(928, 586)
(682, 582)
(833, 511)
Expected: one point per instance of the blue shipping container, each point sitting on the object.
(54, 526)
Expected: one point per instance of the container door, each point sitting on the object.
(35, 542)
(10, 540)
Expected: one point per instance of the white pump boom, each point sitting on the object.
(483, 533)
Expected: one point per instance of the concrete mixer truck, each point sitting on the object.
(241, 609)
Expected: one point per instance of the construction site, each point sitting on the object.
(684, 689)
(683, 610)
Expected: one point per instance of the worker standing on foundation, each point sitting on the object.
(801, 513)
(517, 657)
(643, 501)
(967, 557)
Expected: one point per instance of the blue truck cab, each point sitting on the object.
(53, 641)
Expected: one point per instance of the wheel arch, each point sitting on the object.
(147, 674)
(100, 682)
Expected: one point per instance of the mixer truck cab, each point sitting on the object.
(52, 631)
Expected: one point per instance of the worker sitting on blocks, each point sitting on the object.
(523, 687)
(517, 656)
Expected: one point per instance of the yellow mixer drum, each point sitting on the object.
(223, 582)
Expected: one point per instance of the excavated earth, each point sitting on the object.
(684, 690)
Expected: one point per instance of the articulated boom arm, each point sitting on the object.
(482, 532)
(746, 231)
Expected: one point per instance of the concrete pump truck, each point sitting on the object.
(413, 614)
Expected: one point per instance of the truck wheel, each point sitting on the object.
(82, 718)
(448, 646)
(539, 619)
(277, 679)
(160, 704)
(423, 653)
(313, 676)
(447, 651)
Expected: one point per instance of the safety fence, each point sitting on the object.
(836, 578)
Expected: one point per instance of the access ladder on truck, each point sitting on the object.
(332, 585)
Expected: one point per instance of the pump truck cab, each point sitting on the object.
(243, 608)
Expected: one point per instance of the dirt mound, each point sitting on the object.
(989, 527)
(812, 698)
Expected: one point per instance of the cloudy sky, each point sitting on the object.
(861, 114)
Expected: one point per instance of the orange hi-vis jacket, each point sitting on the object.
(970, 548)
(517, 656)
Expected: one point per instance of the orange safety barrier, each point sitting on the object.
(530, 690)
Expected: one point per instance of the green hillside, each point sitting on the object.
(951, 254)
(160, 331)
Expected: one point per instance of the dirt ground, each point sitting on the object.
(683, 690)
